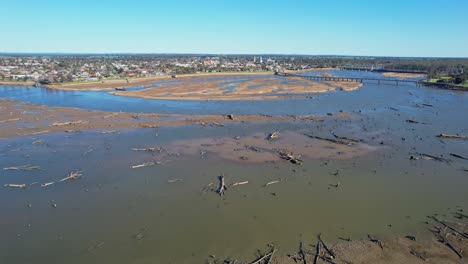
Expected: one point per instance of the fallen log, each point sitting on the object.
(207, 187)
(37, 133)
(239, 183)
(146, 164)
(458, 156)
(47, 184)
(291, 157)
(375, 240)
(330, 252)
(174, 180)
(147, 149)
(148, 125)
(273, 136)
(264, 257)
(442, 239)
(23, 167)
(449, 227)
(222, 186)
(10, 120)
(13, 185)
(346, 138)
(416, 122)
(72, 176)
(417, 254)
(317, 252)
(69, 123)
(109, 132)
(270, 183)
(452, 136)
(434, 157)
(332, 140)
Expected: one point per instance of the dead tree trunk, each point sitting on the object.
(222, 187)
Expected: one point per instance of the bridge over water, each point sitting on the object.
(349, 79)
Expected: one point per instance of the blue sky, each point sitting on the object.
(379, 27)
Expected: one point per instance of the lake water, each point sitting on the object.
(116, 214)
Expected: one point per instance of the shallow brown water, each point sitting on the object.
(123, 215)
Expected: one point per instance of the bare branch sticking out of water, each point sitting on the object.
(72, 176)
(23, 167)
(69, 123)
(12, 185)
(146, 164)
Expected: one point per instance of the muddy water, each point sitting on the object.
(159, 214)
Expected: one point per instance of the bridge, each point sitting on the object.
(348, 79)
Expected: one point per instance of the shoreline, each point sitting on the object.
(38, 119)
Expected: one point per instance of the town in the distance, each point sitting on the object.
(65, 68)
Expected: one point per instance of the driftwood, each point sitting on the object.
(147, 149)
(23, 167)
(270, 183)
(111, 115)
(38, 142)
(72, 176)
(266, 257)
(238, 183)
(417, 254)
(452, 136)
(333, 140)
(375, 240)
(207, 187)
(330, 252)
(273, 136)
(442, 239)
(10, 120)
(47, 184)
(222, 187)
(148, 125)
(37, 133)
(109, 132)
(317, 252)
(21, 186)
(416, 122)
(458, 156)
(434, 157)
(291, 157)
(70, 123)
(346, 138)
(146, 164)
(449, 227)
(215, 124)
(174, 180)
(460, 215)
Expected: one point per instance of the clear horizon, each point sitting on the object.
(334, 28)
